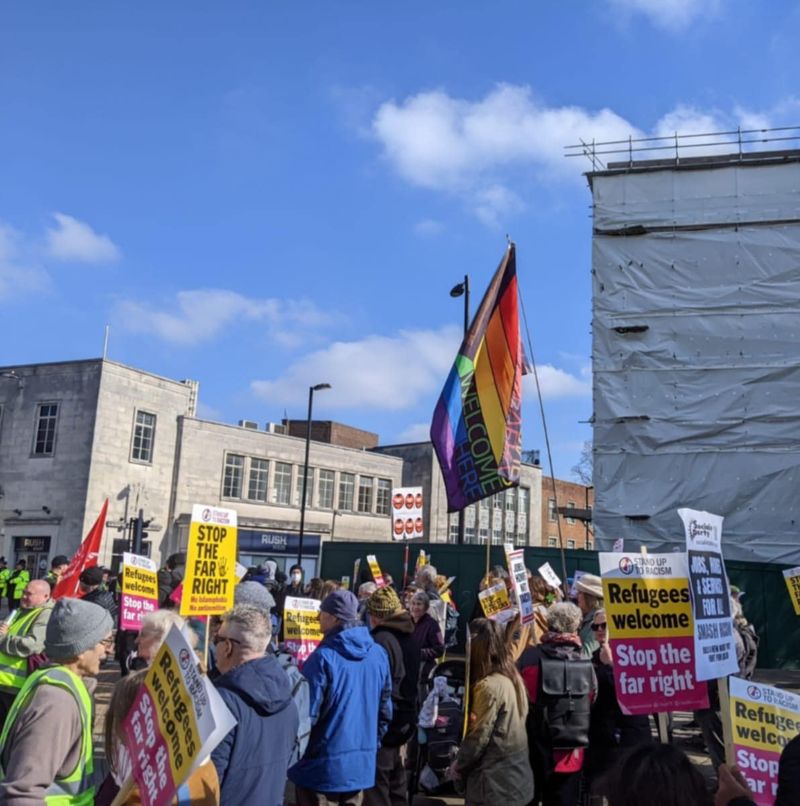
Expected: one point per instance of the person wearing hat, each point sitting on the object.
(393, 628)
(58, 565)
(351, 688)
(169, 577)
(590, 600)
(21, 640)
(46, 744)
(91, 590)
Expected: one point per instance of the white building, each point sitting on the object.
(73, 434)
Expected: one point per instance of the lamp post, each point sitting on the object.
(311, 390)
(459, 290)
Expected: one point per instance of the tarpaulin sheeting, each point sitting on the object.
(696, 355)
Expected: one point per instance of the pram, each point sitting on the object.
(438, 743)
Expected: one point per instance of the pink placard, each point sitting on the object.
(650, 671)
(133, 609)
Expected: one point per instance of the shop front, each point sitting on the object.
(256, 546)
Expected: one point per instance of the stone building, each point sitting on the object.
(513, 516)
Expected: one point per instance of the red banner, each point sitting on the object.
(85, 557)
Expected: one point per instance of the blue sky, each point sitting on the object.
(263, 196)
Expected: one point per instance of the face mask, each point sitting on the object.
(296, 578)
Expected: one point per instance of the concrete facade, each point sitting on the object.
(576, 532)
(513, 516)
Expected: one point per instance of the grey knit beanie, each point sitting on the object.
(253, 594)
(74, 627)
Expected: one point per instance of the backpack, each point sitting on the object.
(747, 663)
(562, 709)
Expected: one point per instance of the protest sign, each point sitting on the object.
(714, 642)
(619, 544)
(495, 603)
(765, 720)
(792, 577)
(519, 579)
(377, 575)
(301, 628)
(651, 632)
(549, 575)
(573, 591)
(407, 520)
(175, 721)
(240, 571)
(210, 563)
(139, 595)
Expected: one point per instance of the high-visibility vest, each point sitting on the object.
(76, 788)
(14, 669)
(4, 575)
(19, 582)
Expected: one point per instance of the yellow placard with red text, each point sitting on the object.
(792, 577)
(375, 569)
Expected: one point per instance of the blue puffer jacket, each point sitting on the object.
(351, 707)
(251, 760)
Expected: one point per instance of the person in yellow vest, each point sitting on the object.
(5, 573)
(46, 744)
(19, 578)
(22, 639)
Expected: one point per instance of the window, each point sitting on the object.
(257, 485)
(298, 492)
(282, 483)
(46, 419)
(452, 531)
(511, 499)
(570, 544)
(588, 545)
(551, 510)
(234, 470)
(347, 485)
(497, 536)
(552, 542)
(524, 498)
(365, 493)
(570, 505)
(484, 536)
(325, 493)
(144, 432)
(383, 497)
(497, 500)
(469, 535)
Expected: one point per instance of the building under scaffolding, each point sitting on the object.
(696, 340)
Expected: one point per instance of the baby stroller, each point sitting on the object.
(441, 721)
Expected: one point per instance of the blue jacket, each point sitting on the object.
(351, 707)
(252, 759)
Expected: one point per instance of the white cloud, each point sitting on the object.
(557, 382)
(673, 15)
(74, 240)
(199, 315)
(16, 276)
(389, 373)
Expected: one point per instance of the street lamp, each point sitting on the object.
(311, 390)
(462, 289)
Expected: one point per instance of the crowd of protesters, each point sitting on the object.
(543, 724)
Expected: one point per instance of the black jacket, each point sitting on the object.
(104, 599)
(395, 635)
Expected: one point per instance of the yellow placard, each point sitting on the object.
(494, 600)
(792, 577)
(643, 607)
(301, 625)
(211, 562)
(377, 574)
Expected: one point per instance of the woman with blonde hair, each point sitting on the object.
(493, 758)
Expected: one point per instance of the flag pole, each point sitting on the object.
(546, 442)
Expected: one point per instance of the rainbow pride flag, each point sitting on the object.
(476, 428)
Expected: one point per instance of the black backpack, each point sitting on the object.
(562, 709)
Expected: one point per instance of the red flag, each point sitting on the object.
(85, 557)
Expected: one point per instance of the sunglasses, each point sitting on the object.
(601, 626)
(218, 639)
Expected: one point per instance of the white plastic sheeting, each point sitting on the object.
(699, 405)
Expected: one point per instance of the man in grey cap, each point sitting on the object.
(46, 744)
